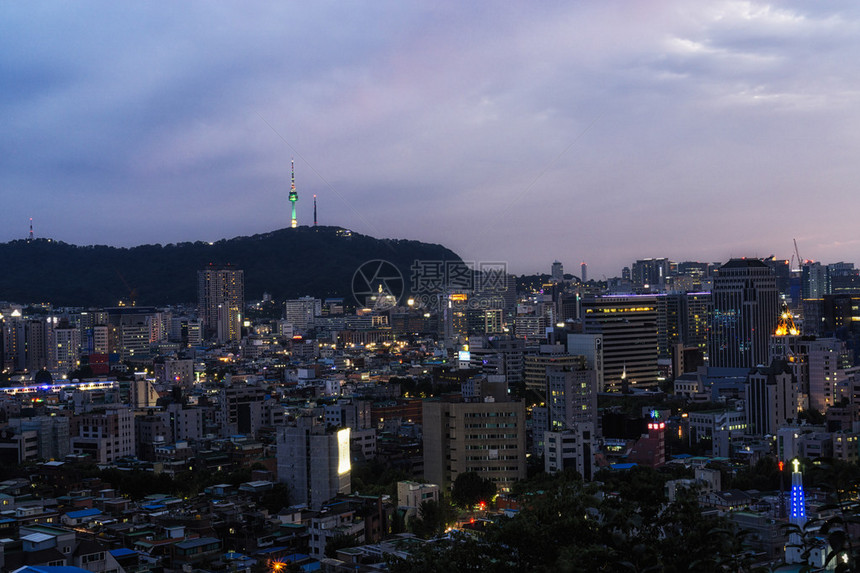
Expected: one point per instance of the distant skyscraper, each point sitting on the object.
(782, 272)
(294, 195)
(557, 272)
(221, 298)
(650, 273)
(814, 280)
(745, 313)
(584, 271)
(683, 318)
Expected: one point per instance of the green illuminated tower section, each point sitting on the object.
(294, 196)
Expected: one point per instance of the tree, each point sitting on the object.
(469, 489)
(433, 518)
(340, 541)
(276, 498)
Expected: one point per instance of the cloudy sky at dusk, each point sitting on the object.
(507, 131)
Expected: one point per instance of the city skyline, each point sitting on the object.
(600, 133)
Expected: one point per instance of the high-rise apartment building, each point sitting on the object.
(814, 280)
(65, 350)
(221, 299)
(300, 312)
(745, 314)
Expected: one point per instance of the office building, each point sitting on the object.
(570, 450)
(628, 325)
(650, 273)
(683, 318)
(782, 273)
(498, 355)
(745, 313)
(486, 437)
(590, 348)
(536, 366)
(771, 398)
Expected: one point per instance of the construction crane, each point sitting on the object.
(797, 252)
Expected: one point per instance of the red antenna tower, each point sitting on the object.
(31, 229)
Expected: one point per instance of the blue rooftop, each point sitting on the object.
(151, 506)
(84, 513)
(626, 466)
(122, 552)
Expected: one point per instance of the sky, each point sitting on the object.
(517, 132)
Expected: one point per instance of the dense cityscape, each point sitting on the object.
(440, 418)
(429, 286)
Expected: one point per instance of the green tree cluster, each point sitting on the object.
(469, 489)
(569, 526)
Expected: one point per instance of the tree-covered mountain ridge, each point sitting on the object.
(287, 263)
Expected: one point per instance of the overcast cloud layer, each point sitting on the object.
(521, 132)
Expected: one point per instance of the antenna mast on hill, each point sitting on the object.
(30, 238)
(294, 195)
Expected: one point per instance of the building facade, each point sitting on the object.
(745, 314)
(221, 300)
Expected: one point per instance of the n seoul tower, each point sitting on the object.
(294, 196)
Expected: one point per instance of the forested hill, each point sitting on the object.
(317, 261)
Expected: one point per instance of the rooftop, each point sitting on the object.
(744, 263)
